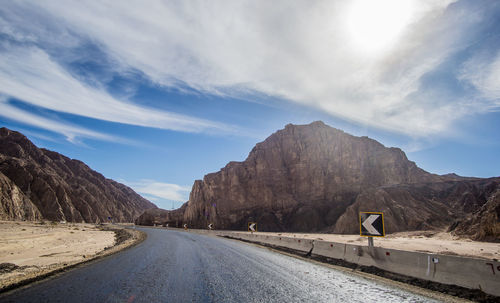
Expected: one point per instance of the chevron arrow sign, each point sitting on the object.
(252, 226)
(371, 224)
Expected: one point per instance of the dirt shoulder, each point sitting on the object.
(31, 251)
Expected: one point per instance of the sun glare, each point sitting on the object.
(374, 26)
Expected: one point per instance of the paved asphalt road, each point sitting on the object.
(175, 266)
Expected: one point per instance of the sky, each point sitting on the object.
(156, 94)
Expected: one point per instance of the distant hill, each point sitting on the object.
(36, 183)
(315, 178)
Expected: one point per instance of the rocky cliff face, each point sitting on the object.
(483, 224)
(14, 204)
(157, 216)
(428, 206)
(301, 178)
(38, 183)
(314, 178)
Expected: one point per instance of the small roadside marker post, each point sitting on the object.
(371, 224)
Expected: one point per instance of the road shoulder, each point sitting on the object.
(19, 276)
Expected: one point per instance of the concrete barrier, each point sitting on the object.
(473, 273)
(329, 249)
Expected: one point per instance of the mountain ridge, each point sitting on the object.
(51, 186)
(306, 177)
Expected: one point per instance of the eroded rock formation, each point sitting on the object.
(425, 206)
(37, 183)
(14, 205)
(157, 216)
(315, 178)
(482, 224)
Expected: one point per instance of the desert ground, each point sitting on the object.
(32, 249)
(423, 241)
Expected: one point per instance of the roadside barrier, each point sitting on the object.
(473, 273)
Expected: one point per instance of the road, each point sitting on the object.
(176, 266)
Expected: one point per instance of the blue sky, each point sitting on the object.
(157, 95)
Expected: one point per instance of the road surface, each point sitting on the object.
(176, 266)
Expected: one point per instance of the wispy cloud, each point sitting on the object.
(71, 132)
(29, 74)
(483, 72)
(155, 189)
(301, 52)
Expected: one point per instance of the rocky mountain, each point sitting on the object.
(425, 206)
(315, 178)
(484, 223)
(158, 216)
(14, 204)
(36, 183)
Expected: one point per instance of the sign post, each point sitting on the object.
(371, 224)
(210, 226)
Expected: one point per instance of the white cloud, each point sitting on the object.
(301, 51)
(29, 74)
(483, 72)
(71, 132)
(155, 189)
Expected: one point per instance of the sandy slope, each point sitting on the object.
(37, 248)
(425, 241)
